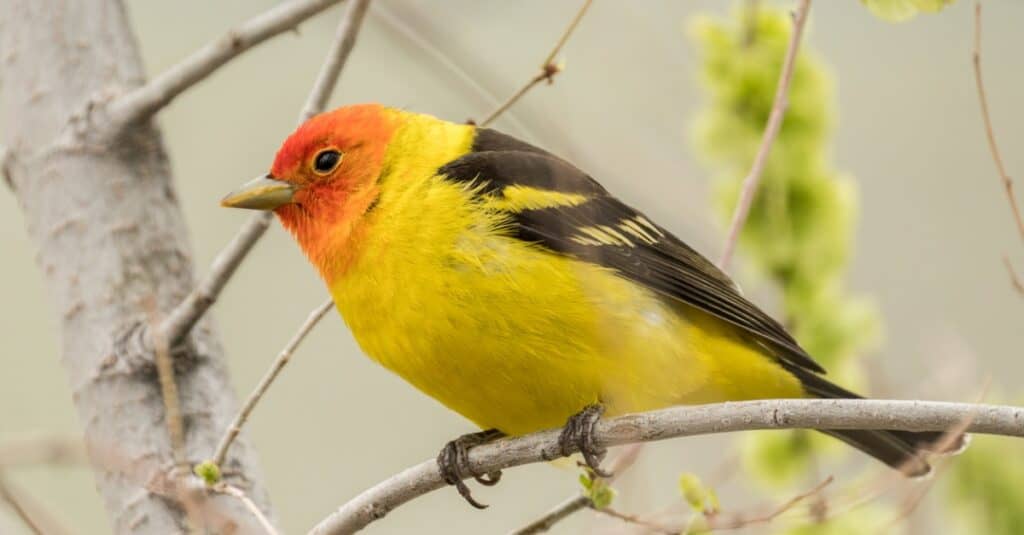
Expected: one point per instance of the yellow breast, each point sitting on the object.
(518, 338)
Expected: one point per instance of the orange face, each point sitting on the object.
(324, 177)
(333, 156)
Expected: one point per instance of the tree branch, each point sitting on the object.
(1011, 196)
(771, 131)
(140, 103)
(237, 493)
(548, 69)
(268, 378)
(105, 269)
(902, 415)
(622, 461)
(184, 316)
(29, 512)
(344, 41)
(181, 320)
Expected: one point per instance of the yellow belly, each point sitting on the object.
(516, 338)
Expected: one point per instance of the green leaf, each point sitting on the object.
(701, 499)
(596, 490)
(208, 472)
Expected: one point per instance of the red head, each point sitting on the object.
(324, 177)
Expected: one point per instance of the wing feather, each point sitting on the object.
(607, 232)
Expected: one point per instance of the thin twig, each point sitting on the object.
(10, 496)
(946, 442)
(1014, 278)
(144, 101)
(268, 378)
(344, 41)
(832, 414)
(734, 521)
(169, 394)
(548, 69)
(1011, 196)
(236, 492)
(30, 513)
(639, 520)
(184, 316)
(771, 131)
(717, 521)
(622, 461)
(558, 513)
(181, 320)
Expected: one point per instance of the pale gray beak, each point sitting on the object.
(260, 193)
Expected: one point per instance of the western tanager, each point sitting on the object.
(513, 288)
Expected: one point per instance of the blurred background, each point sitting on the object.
(933, 224)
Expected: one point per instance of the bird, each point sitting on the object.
(513, 288)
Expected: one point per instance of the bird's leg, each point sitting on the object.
(453, 461)
(578, 434)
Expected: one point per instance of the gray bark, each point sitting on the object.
(113, 246)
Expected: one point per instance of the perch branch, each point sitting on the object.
(902, 415)
(548, 70)
(180, 321)
(268, 378)
(771, 131)
(148, 99)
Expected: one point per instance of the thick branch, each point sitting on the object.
(144, 101)
(376, 502)
(113, 247)
(186, 314)
(771, 131)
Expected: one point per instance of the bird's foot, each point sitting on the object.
(453, 461)
(578, 434)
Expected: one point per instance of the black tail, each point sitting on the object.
(902, 450)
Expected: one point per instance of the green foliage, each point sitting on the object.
(777, 457)
(800, 228)
(984, 485)
(596, 490)
(208, 472)
(702, 499)
(901, 10)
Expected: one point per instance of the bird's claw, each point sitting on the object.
(578, 434)
(453, 461)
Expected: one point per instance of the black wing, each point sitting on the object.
(605, 231)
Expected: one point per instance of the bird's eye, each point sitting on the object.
(326, 161)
